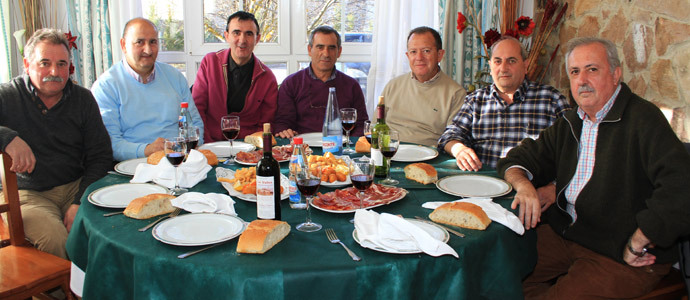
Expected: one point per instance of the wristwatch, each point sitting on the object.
(637, 253)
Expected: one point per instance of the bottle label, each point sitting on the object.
(333, 144)
(377, 156)
(265, 205)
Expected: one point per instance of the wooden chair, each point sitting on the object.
(24, 270)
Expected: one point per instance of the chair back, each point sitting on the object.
(10, 206)
(684, 248)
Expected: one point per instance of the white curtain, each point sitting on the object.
(121, 12)
(393, 22)
(5, 42)
(89, 21)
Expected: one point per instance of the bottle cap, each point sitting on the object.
(184, 105)
(267, 127)
(380, 100)
(298, 140)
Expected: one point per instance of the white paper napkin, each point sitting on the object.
(189, 173)
(495, 211)
(392, 232)
(212, 202)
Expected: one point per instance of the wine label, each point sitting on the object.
(377, 156)
(333, 144)
(265, 206)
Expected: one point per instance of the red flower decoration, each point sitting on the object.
(72, 40)
(512, 33)
(491, 36)
(524, 25)
(71, 69)
(462, 23)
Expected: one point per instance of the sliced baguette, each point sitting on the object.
(257, 139)
(461, 214)
(262, 235)
(421, 172)
(149, 206)
(362, 145)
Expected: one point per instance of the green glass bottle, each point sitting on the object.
(380, 161)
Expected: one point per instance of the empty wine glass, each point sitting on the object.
(230, 125)
(191, 136)
(362, 176)
(388, 143)
(175, 149)
(308, 182)
(348, 116)
(367, 130)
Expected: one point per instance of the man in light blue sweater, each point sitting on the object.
(140, 98)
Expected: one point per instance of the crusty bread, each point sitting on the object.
(421, 172)
(461, 214)
(262, 235)
(211, 157)
(155, 157)
(362, 146)
(257, 139)
(149, 206)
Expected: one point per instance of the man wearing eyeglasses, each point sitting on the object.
(420, 104)
(303, 95)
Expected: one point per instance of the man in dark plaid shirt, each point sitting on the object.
(496, 118)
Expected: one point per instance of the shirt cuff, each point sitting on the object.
(529, 174)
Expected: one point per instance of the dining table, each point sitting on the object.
(121, 262)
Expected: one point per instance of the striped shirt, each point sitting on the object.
(136, 75)
(491, 127)
(586, 153)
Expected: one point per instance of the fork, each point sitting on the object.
(334, 239)
(171, 215)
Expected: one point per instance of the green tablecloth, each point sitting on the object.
(123, 263)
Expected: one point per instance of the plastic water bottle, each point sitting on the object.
(185, 118)
(332, 126)
(296, 160)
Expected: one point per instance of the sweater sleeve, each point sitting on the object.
(270, 103)
(200, 96)
(286, 114)
(360, 105)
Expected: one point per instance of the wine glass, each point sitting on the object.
(230, 125)
(367, 130)
(175, 149)
(308, 182)
(349, 117)
(362, 176)
(388, 143)
(191, 136)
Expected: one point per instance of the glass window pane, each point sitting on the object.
(357, 70)
(279, 69)
(216, 13)
(353, 19)
(182, 67)
(168, 17)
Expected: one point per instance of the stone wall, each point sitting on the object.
(653, 39)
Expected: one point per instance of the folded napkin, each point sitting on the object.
(189, 173)
(495, 211)
(212, 202)
(395, 233)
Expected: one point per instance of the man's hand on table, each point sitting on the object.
(69, 216)
(23, 159)
(156, 146)
(286, 134)
(465, 157)
(547, 196)
(526, 197)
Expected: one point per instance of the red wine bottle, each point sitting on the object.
(268, 181)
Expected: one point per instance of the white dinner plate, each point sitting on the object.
(468, 185)
(222, 148)
(432, 229)
(119, 195)
(414, 153)
(228, 173)
(198, 229)
(128, 167)
(314, 139)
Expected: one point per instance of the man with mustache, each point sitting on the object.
(420, 104)
(235, 82)
(139, 97)
(53, 131)
(303, 95)
(621, 176)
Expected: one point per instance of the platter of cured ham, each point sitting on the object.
(280, 153)
(346, 200)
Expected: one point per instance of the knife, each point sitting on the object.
(439, 225)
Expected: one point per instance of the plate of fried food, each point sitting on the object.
(241, 183)
(335, 170)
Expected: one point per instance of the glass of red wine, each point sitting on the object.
(388, 143)
(175, 152)
(349, 117)
(367, 130)
(308, 182)
(191, 136)
(362, 177)
(230, 125)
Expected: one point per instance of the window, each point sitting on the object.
(168, 17)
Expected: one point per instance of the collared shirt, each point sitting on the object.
(136, 75)
(491, 127)
(586, 153)
(239, 81)
(430, 81)
(313, 76)
(37, 100)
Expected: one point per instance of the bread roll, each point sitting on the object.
(362, 146)
(257, 139)
(211, 157)
(155, 157)
(461, 214)
(421, 172)
(262, 235)
(149, 206)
